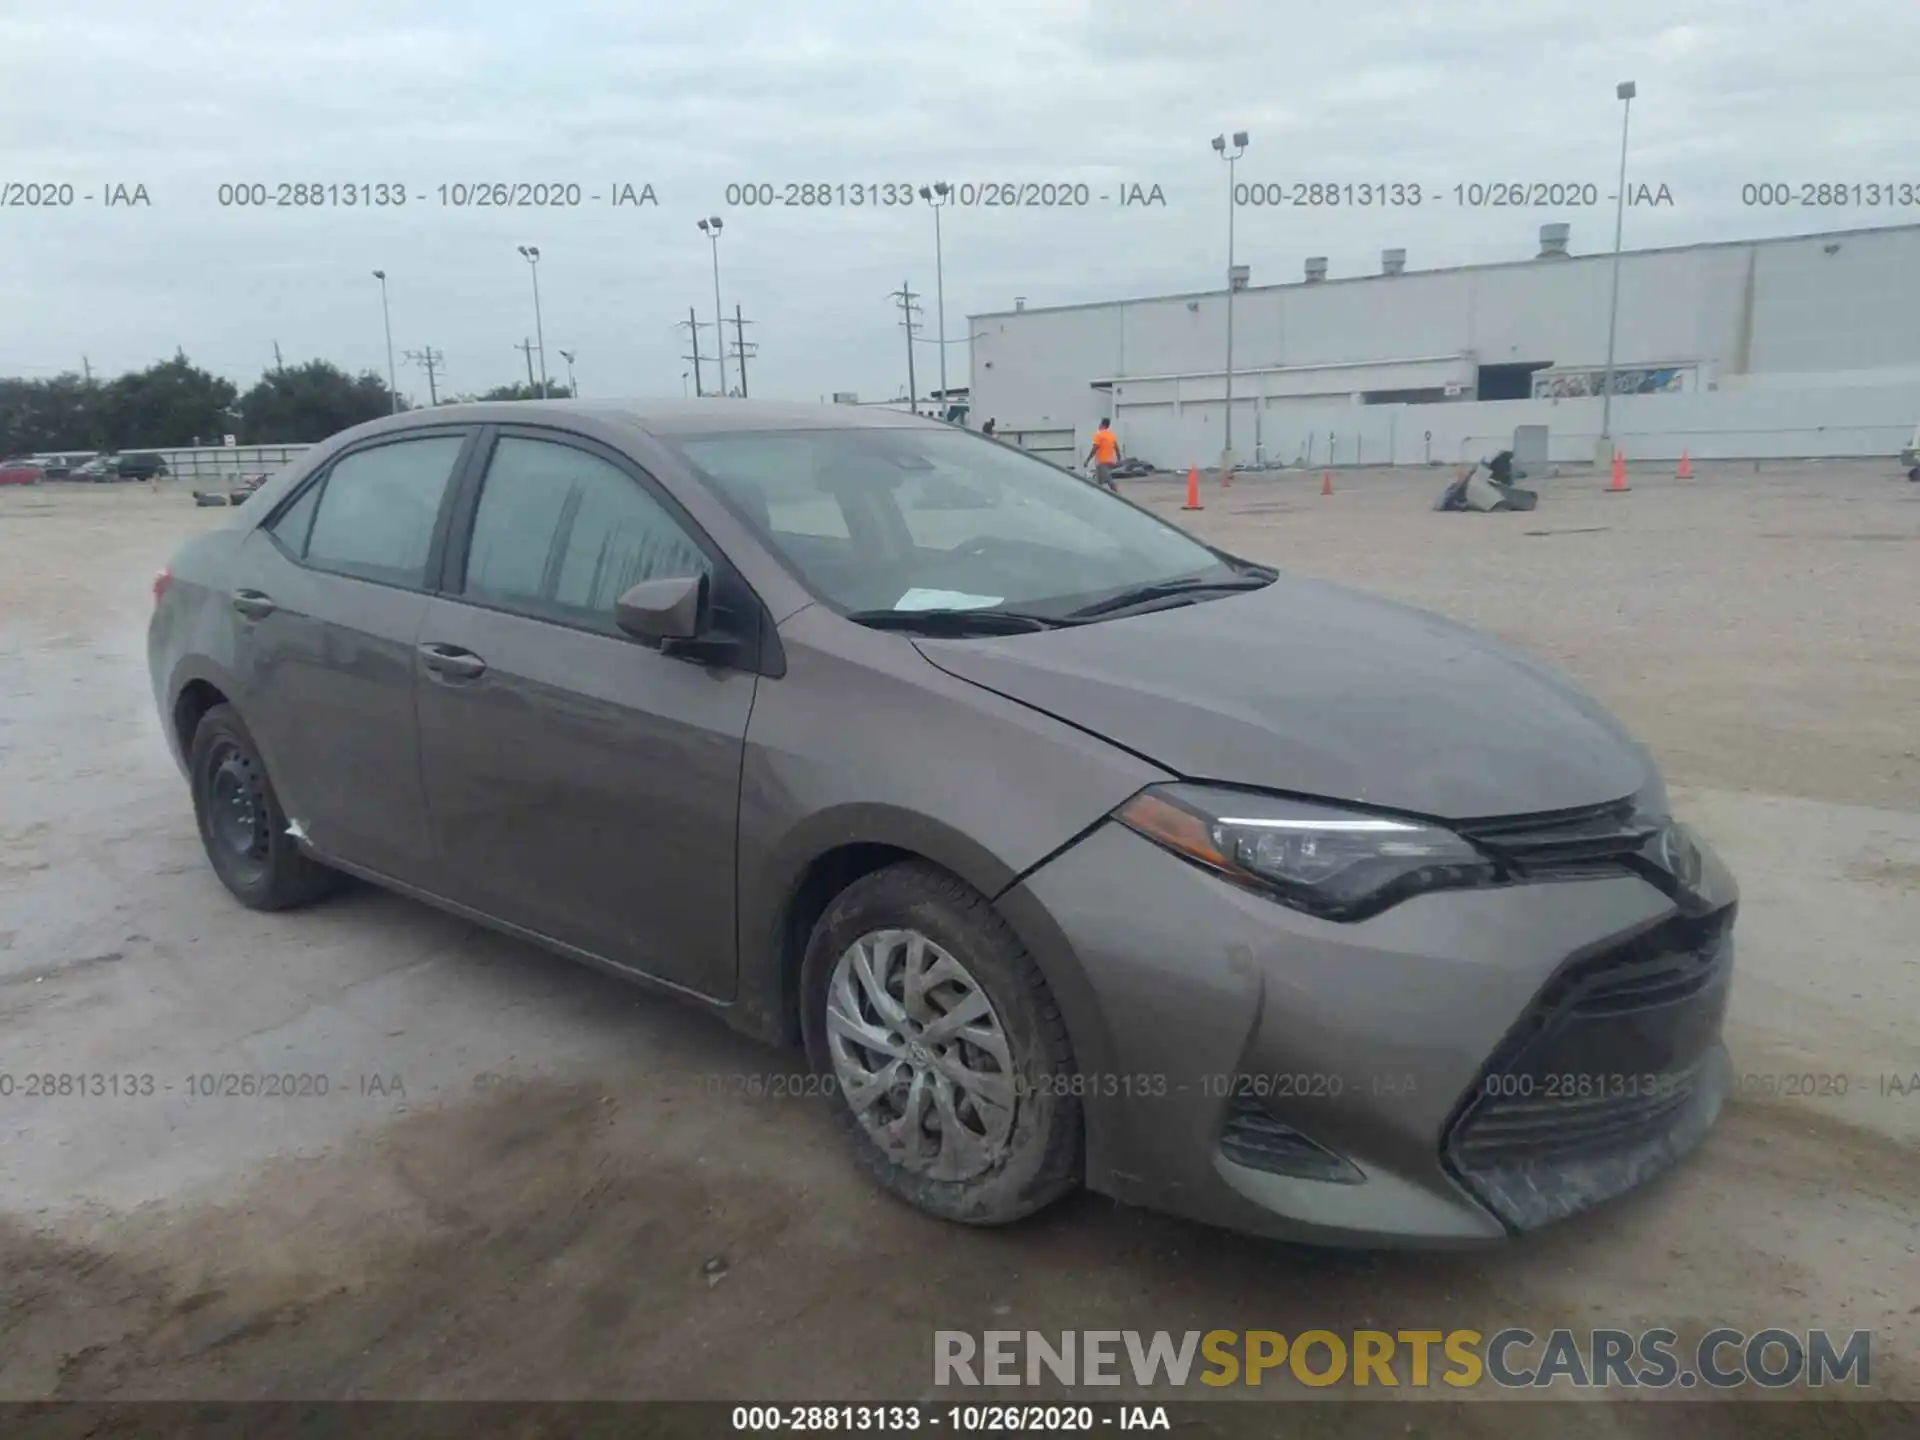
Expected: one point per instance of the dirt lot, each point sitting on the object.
(527, 1181)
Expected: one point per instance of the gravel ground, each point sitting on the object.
(528, 1181)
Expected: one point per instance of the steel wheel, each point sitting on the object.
(237, 813)
(920, 1055)
(242, 826)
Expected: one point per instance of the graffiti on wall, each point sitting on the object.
(1638, 380)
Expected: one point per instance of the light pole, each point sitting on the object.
(1230, 156)
(683, 384)
(711, 228)
(1625, 92)
(393, 388)
(573, 386)
(532, 254)
(937, 196)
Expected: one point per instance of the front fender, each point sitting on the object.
(766, 1000)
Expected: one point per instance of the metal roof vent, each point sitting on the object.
(1553, 242)
(1393, 262)
(1238, 277)
(1019, 302)
(1316, 267)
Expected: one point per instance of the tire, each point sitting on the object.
(1021, 1157)
(268, 871)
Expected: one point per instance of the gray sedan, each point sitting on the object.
(1074, 851)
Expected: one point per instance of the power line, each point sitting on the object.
(742, 347)
(431, 361)
(904, 298)
(694, 327)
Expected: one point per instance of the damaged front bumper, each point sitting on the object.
(1465, 1066)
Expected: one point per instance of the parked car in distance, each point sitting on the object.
(20, 472)
(100, 468)
(1073, 850)
(140, 465)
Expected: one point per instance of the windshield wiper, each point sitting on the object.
(1170, 589)
(983, 621)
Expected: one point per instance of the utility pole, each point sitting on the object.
(526, 346)
(692, 323)
(93, 413)
(905, 297)
(1230, 156)
(938, 196)
(711, 227)
(531, 254)
(1623, 92)
(741, 349)
(429, 360)
(386, 321)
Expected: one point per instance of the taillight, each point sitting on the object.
(161, 581)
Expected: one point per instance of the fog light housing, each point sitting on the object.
(1253, 1138)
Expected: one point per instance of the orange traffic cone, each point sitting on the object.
(1193, 489)
(1619, 485)
(1326, 483)
(1685, 472)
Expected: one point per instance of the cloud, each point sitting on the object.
(696, 99)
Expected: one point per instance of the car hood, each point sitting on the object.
(1312, 689)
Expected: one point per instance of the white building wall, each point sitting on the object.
(1781, 330)
(1857, 308)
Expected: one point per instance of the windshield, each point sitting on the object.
(920, 520)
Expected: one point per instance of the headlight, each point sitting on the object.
(1337, 864)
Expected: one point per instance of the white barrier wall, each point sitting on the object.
(1762, 423)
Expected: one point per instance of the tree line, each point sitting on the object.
(175, 404)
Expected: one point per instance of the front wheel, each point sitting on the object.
(242, 826)
(951, 1070)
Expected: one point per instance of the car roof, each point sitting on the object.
(672, 417)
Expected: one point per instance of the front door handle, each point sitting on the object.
(253, 604)
(452, 661)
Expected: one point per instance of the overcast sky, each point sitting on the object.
(689, 98)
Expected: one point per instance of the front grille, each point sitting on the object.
(1597, 839)
(1541, 1123)
(1253, 1138)
(1614, 1072)
(1657, 979)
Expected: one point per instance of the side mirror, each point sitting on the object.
(671, 609)
(676, 614)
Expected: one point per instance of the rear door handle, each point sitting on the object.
(452, 661)
(253, 604)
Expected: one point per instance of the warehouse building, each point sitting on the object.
(1800, 346)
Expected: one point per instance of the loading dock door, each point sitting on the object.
(1055, 445)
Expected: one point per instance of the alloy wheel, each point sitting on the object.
(920, 1055)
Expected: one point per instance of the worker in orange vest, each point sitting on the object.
(1105, 454)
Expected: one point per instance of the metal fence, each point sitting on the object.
(205, 462)
(220, 463)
